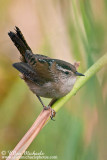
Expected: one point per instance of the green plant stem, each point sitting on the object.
(81, 81)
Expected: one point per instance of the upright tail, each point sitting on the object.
(20, 42)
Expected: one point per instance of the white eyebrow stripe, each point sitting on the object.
(61, 68)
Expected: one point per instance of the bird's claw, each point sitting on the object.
(53, 113)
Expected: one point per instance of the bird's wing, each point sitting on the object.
(27, 71)
(42, 65)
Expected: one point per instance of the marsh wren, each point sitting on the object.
(46, 77)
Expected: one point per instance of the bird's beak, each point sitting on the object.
(79, 74)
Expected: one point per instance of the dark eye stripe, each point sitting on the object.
(66, 72)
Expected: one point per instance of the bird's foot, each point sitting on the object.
(53, 113)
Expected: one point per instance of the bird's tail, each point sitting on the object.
(20, 42)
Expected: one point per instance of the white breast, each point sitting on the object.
(53, 89)
(67, 85)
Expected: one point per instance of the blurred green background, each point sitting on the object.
(72, 30)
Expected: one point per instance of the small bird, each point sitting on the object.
(46, 77)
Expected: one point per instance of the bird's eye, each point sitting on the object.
(66, 72)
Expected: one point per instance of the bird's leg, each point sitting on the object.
(49, 106)
(44, 107)
(52, 101)
(40, 101)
